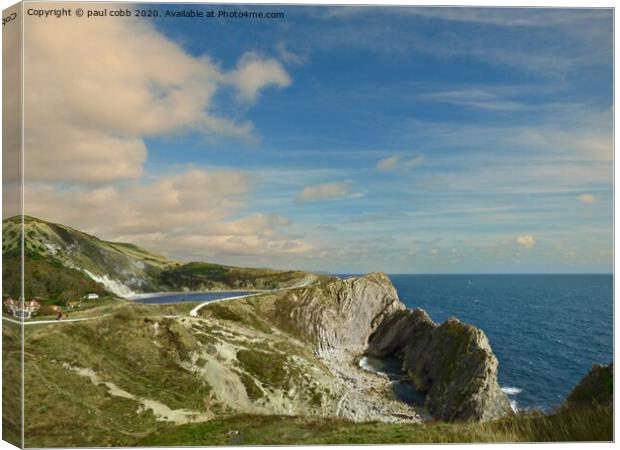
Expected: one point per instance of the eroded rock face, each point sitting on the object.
(340, 315)
(452, 363)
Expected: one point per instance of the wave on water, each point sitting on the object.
(367, 366)
(513, 405)
(511, 390)
(364, 364)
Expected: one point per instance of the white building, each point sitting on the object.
(92, 296)
(28, 310)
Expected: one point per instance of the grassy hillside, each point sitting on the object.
(68, 253)
(48, 280)
(135, 377)
(205, 276)
(62, 261)
(11, 384)
(586, 415)
(71, 246)
(118, 378)
(591, 424)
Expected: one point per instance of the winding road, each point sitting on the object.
(194, 312)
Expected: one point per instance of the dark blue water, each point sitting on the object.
(160, 299)
(546, 330)
(391, 367)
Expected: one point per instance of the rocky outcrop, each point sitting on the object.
(596, 388)
(451, 363)
(340, 315)
(399, 330)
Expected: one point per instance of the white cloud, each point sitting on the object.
(526, 241)
(253, 74)
(397, 162)
(95, 89)
(189, 215)
(513, 17)
(325, 191)
(288, 56)
(579, 40)
(504, 17)
(389, 163)
(587, 198)
(476, 98)
(570, 154)
(413, 162)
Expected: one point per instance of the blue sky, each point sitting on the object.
(405, 140)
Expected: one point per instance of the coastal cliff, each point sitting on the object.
(596, 388)
(338, 315)
(452, 363)
(266, 366)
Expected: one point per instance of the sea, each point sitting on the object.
(546, 330)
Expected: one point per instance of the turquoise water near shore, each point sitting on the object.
(546, 330)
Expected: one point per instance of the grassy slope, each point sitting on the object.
(150, 362)
(81, 248)
(199, 276)
(11, 384)
(47, 279)
(52, 250)
(591, 424)
(66, 409)
(63, 408)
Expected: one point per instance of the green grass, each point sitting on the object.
(66, 409)
(51, 249)
(245, 311)
(273, 373)
(590, 424)
(253, 391)
(206, 276)
(47, 279)
(11, 383)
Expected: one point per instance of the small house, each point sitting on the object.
(25, 311)
(92, 296)
(32, 307)
(73, 304)
(10, 305)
